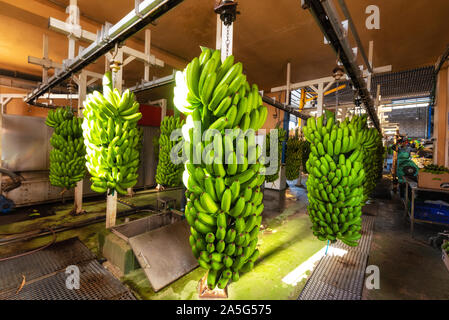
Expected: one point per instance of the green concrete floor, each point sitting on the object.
(88, 235)
(285, 243)
(409, 267)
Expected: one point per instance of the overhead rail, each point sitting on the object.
(441, 60)
(345, 10)
(326, 16)
(153, 84)
(287, 108)
(145, 12)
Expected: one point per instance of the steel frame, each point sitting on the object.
(326, 16)
(144, 13)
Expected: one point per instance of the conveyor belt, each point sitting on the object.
(45, 277)
(340, 274)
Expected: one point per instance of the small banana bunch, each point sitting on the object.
(112, 138)
(223, 172)
(281, 138)
(304, 151)
(67, 165)
(293, 158)
(435, 169)
(168, 173)
(373, 153)
(335, 181)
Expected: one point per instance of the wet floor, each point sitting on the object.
(285, 243)
(409, 267)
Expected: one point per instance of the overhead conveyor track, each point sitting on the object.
(145, 12)
(326, 16)
(287, 108)
(153, 84)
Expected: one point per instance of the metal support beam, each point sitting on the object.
(327, 18)
(311, 83)
(148, 11)
(287, 108)
(345, 10)
(153, 84)
(44, 62)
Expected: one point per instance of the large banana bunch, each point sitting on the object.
(223, 188)
(373, 154)
(168, 173)
(112, 138)
(281, 138)
(67, 156)
(335, 181)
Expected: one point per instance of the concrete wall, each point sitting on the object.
(412, 121)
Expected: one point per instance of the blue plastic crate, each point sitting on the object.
(432, 212)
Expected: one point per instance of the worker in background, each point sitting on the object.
(401, 145)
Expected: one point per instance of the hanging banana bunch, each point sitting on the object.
(304, 152)
(336, 177)
(293, 157)
(224, 197)
(112, 138)
(373, 154)
(168, 173)
(67, 165)
(281, 138)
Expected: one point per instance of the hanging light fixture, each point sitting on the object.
(338, 72)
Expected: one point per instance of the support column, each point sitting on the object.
(111, 210)
(117, 76)
(286, 114)
(218, 35)
(146, 75)
(441, 119)
(320, 99)
(82, 87)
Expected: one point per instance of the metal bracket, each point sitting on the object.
(227, 10)
(136, 8)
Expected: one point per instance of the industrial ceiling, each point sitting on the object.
(267, 35)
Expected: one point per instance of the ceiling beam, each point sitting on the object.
(148, 11)
(45, 9)
(327, 18)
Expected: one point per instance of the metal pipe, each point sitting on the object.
(345, 10)
(147, 12)
(287, 108)
(13, 238)
(153, 84)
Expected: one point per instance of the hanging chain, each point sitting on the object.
(228, 40)
(70, 90)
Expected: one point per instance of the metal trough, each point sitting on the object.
(161, 245)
